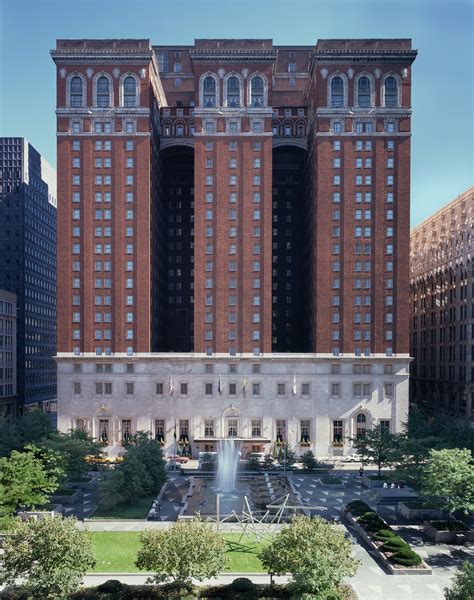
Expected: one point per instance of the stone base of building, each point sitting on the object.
(191, 401)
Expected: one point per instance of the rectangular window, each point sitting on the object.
(209, 428)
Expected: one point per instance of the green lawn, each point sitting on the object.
(115, 552)
(136, 510)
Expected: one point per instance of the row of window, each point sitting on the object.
(103, 91)
(364, 91)
(233, 428)
(232, 91)
(337, 127)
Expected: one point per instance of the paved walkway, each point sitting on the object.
(371, 581)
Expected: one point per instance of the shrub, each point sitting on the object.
(383, 535)
(372, 521)
(242, 584)
(462, 584)
(111, 586)
(394, 545)
(358, 508)
(406, 557)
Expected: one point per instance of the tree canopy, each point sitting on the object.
(25, 481)
(51, 556)
(188, 549)
(315, 552)
(448, 479)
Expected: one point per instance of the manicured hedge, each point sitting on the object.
(406, 557)
(379, 531)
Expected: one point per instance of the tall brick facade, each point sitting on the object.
(220, 270)
(233, 233)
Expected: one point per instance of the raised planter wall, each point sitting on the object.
(421, 514)
(372, 483)
(426, 570)
(448, 537)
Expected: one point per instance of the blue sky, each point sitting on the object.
(442, 31)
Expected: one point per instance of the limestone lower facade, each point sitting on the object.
(191, 401)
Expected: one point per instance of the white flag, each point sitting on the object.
(244, 386)
(171, 387)
(219, 385)
(294, 385)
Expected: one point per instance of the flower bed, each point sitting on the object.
(448, 532)
(419, 510)
(396, 554)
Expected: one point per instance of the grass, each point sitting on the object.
(136, 510)
(116, 551)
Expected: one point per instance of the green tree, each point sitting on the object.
(189, 549)
(315, 552)
(30, 428)
(448, 479)
(73, 448)
(377, 446)
(410, 457)
(149, 452)
(463, 584)
(24, 482)
(126, 483)
(309, 460)
(51, 556)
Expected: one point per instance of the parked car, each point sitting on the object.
(350, 458)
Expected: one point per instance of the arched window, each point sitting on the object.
(209, 92)
(76, 91)
(256, 92)
(103, 92)
(361, 422)
(337, 92)
(233, 92)
(391, 92)
(129, 91)
(363, 92)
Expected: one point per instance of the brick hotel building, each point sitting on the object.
(233, 240)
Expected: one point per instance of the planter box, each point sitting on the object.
(393, 495)
(332, 486)
(423, 569)
(67, 499)
(448, 537)
(39, 515)
(421, 514)
(372, 483)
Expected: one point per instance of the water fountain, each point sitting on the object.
(228, 459)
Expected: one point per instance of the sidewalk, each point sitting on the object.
(140, 578)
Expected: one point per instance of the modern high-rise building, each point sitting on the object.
(442, 309)
(8, 397)
(233, 249)
(28, 266)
